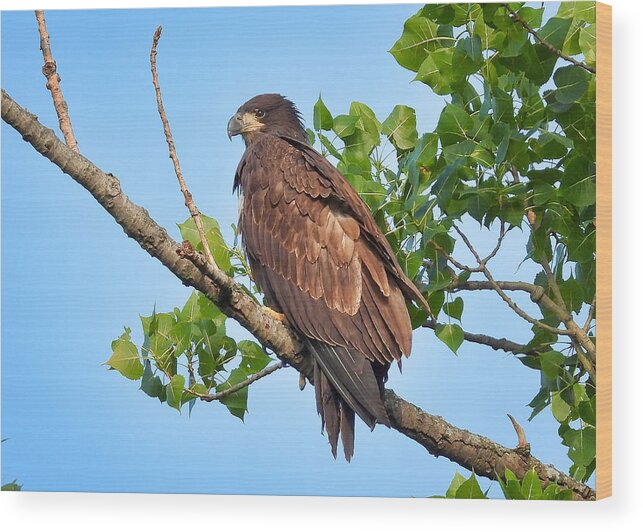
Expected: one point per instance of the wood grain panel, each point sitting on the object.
(604, 250)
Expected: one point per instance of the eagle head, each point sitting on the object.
(270, 114)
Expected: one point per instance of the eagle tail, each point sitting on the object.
(346, 384)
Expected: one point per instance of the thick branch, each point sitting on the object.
(517, 18)
(472, 451)
(53, 83)
(439, 437)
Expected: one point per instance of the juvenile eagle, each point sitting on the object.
(321, 260)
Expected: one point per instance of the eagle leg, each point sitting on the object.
(274, 314)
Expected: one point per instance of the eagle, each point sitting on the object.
(321, 260)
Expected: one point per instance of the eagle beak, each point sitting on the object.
(235, 125)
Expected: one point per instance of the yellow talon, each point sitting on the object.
(274, 314)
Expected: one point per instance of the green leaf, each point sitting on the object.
(433, 68)
(457, 481)
(453, 125)
(451, 334)
(213, 237)
(511, 487)
(400, 128)
(174, 391)
(532, 16)
(578, 11)
(440, 13)
(454, 308)
(420, 36)
(125, 358)
(11, 486)
(470, 489)
(553, 146)
(551, 363)
(571, 81)
(344, 125)
(531, 488)
(578, 185)
(237, 402)
(435, 301)
(581, 244)
(190, 311)
(587, 43)
(587, 411)
(555, 31)
(582, 444)
(559, 408)
(151, 384)
(254, 358)
(322, 119)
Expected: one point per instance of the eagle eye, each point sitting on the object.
(260, 113)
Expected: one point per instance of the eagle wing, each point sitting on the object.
(320, 259)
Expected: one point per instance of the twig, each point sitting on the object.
(549, 46)
(522, 440)
(538, 296)
(590, 315)
(497, 344)
(464, 267)
(236, 387)
(503, 295)
(587, 364)
(498, 244)
(189, 202)
(53, 83)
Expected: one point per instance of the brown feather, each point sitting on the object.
(319, 257)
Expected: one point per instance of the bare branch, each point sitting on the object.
(464, 267)
(189, 202)
(590, 315)
(497, 344)
(53, 83)
(587, 364)
(512, 305)
(495, 250)
(538, 296)
(517, 18)
(453, 261)
(440, 438)
(239, 386)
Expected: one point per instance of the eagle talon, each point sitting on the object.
(274, 314)
(302, 381)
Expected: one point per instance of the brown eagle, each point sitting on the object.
(322, 261)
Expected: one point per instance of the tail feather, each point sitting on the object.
(346, 384)
(347, 430)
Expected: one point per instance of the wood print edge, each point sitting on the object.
(604, 250)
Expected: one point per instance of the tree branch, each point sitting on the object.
(590, 315)
(439, 437)
(53, 83)
(510, 302)
(517, 18)
(497, 344)
(189, 202)
(239, 386)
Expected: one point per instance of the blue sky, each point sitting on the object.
(71, 279)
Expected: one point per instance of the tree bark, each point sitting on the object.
(472, 451)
